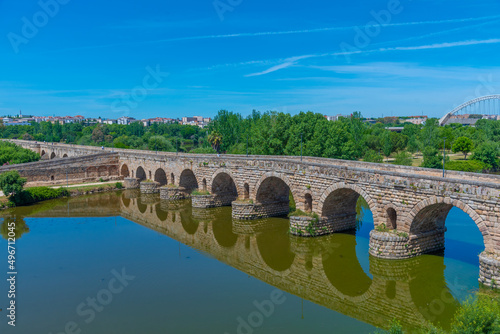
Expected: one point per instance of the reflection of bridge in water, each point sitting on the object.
(323, 270)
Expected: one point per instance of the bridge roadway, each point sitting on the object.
(409, 204)
(325, 271)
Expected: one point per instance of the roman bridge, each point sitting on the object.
(409, 204)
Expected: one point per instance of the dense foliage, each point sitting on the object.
(276, 133)
(38, 194)
(475, 316)
(11, 183)
(13, 154)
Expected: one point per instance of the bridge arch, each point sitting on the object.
(161, 177)
(124, 171)
(431, 213)
(188, 180)
(223, 186)
(43, 153)
(274, 189)
(52, 155)
(65, 155)
(391, 216)
(140, 174)
(339, 200)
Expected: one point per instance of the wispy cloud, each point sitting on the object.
(294, 60)
(276, 33)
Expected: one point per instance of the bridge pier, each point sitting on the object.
(212, 201)
(172, 193)
(489, 269)
(131, 183)
(396, 245)
(249, 210)
(149, 187)
(307, 226)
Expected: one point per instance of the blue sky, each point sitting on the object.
(111, 58)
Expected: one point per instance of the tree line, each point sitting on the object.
(277, 133)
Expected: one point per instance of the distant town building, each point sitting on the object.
(333, 118)
(124, 120)
(418, 120)
(110, 121)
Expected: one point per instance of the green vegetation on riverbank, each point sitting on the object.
(475, 316)
(12, 154)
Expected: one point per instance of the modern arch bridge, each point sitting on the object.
(489, 105)
(409, 204)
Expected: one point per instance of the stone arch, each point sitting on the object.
(172, 178)
(337, 205)
(65, 155)
(308, 202)
(246, 191)
(204, 184)
(161, 177)
(91, 172)
(431, 214)
(52, 155)
(277, 175)
(102, 171)
(391, 216)
(124, 171)
(188, 180)
(140, 174)
(224, 188)
(112, 170)
(43, 153)
(150, 176)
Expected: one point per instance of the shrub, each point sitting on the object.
(481, 315)
(101, 179)
(38, 194)
(118, 185)
(11, 183)
(467, 166)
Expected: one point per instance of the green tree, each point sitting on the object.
(404, 158)
(432, 158)
(464, 145)
(487, 153)
(372, 156)
(215, 139)
(11, 183)
(160, 143)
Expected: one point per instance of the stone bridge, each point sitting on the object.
(409, 204)
(305, 267)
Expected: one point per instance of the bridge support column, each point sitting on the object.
(489, 269)
(149, 187)
(306, 226)
(131, 183)
(172, 193)
(212, 201)
(249, 210)
(396, 245)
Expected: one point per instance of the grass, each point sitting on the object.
(198, 192)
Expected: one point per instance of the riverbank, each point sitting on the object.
(73, 190)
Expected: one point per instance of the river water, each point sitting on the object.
(125, 263)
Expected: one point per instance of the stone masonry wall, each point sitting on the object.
(389, 245)
(489, 270)
(310, 227)
(256, 211)
(77, 169)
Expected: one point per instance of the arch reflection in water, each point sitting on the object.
(323, 270)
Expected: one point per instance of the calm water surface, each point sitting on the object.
(126, 263)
